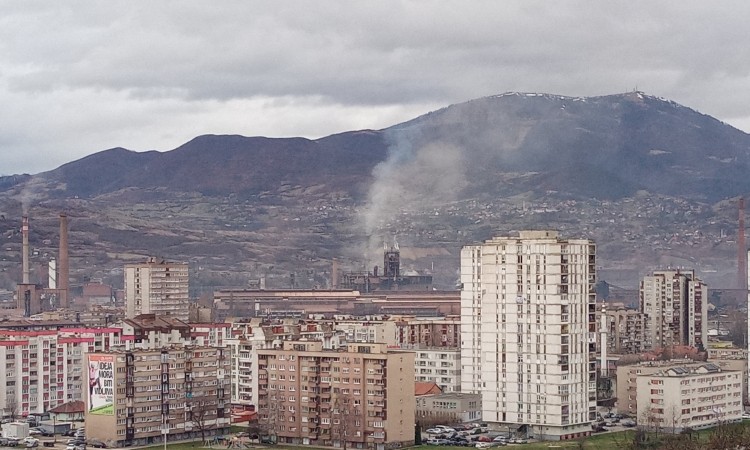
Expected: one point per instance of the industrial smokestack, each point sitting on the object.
(25, 251)
(52, 274)
(334, 274)
(741, 249)
(63, 268)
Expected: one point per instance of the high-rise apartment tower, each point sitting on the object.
(528, 332)
(157, 287)
(675, 308)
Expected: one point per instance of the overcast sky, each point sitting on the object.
(80, 77)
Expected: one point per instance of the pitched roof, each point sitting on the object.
(425, 388)
(76, 406)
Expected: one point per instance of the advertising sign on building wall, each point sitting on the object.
(101, 398)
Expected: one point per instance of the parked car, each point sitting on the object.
(434, 430)
(34, 432)
(13, 442)
(445, 428)
(483, 445)
(97, 444)
(500, 438)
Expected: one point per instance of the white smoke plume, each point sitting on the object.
(415, 178)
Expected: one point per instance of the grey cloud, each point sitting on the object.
(198, 60)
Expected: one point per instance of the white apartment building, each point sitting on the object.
(528, 332)
(689, 397)
(157, 287)
(44, 369)
(440, 365)
(675, 306)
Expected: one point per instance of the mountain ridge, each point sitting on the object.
(655, 169)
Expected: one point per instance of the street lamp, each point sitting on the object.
(164, 429)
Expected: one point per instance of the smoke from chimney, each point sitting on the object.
(25, 255)
(63, 268)
(741, 248)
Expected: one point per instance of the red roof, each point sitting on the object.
(426, 388)
(76, 406)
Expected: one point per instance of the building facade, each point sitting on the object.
(675, 306)
(680, 397)
(140, 395)
(44, 369)
(528, 332)
(362, 397)
(455, 407)
(440, 365)
(625, 330)
(428, 331)
(157, 287)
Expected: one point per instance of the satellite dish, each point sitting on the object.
(519, 299)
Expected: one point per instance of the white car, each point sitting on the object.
(445, 428)
(434, 430)
(483, 445)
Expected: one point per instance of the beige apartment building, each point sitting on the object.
(136, 397)
(363, 395)
(689, 397)
(625, 330)
(157, 287)
(529, 334)
(675, 306)
(428, 331)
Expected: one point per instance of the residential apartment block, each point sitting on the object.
(136, 396)
(675, 306)
(441, 365)
(697, 397)
(625, 330)
(157, 287)
(44, 369)
(363, 395)
(428, 331)
(528, 332)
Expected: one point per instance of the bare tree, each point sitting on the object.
(651, 421)
(255, 429)
(268, 421)
(203, 416)
(347, 417)
(11, 407)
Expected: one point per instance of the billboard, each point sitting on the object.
(101, 385)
